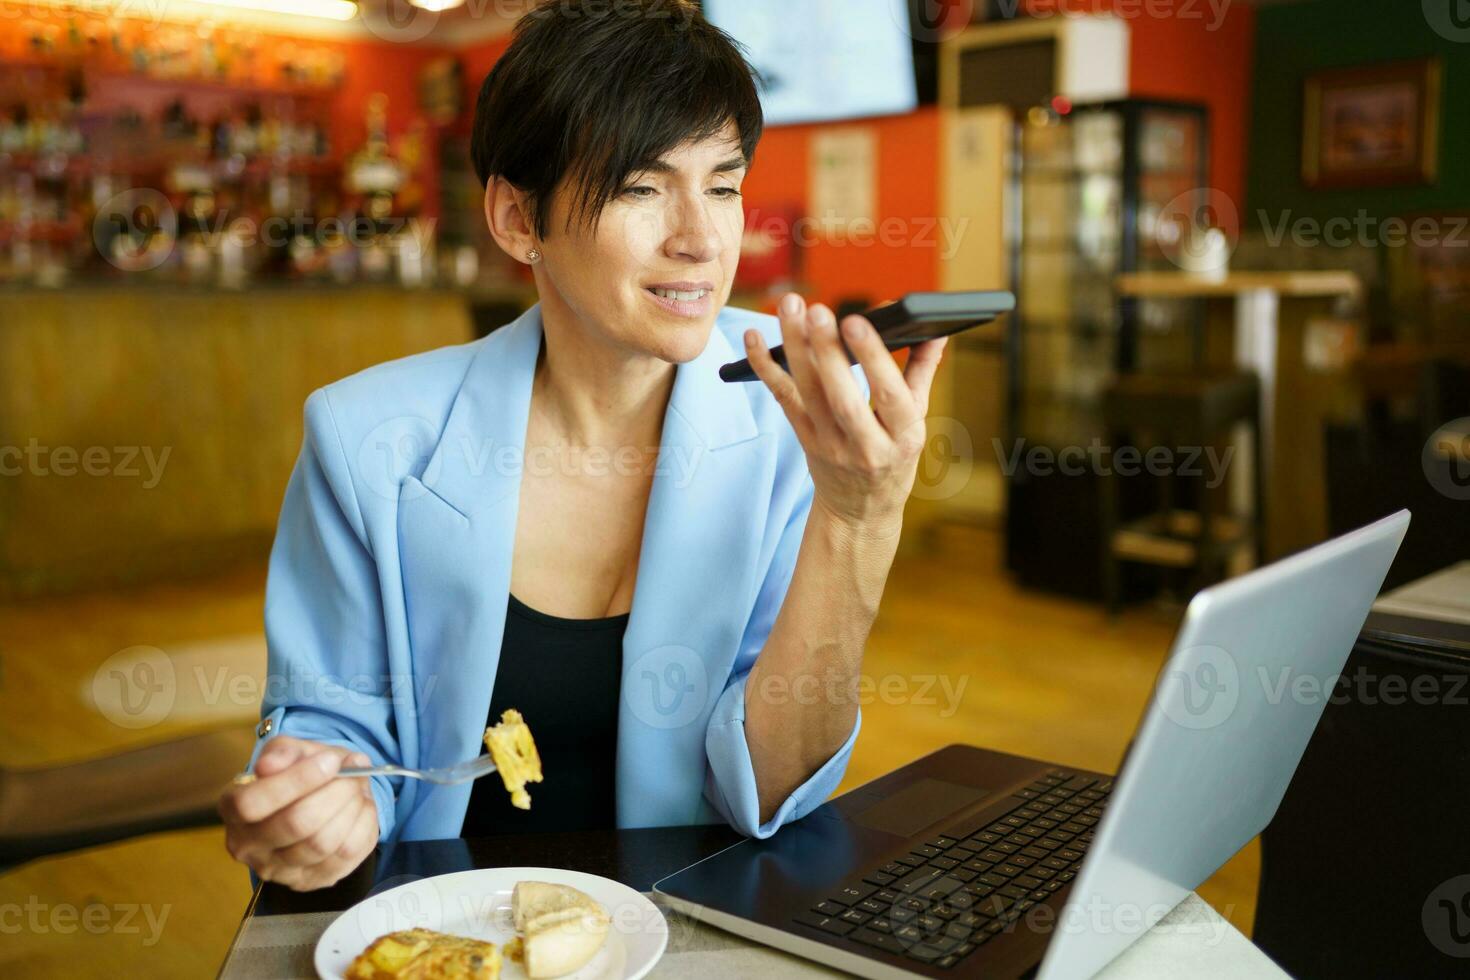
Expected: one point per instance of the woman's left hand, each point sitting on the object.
(863, 460)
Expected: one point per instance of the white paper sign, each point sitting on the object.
(844, 177)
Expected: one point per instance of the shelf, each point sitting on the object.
(40, 231)
(1172, 539)
(1181, 284)
(195, 83)
(1113, 173)
(1071, 173)
(216, 85)
(82, 164)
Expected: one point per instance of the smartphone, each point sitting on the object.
(912, 320)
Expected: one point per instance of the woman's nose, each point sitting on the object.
(694, 235)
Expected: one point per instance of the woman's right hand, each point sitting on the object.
(296, 823)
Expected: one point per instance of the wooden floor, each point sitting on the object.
(959, 654)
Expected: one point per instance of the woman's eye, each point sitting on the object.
(725, 192)
(640, 191)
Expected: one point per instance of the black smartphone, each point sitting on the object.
(912, 320)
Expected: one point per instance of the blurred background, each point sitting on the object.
(1239, 234)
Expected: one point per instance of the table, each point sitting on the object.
(281, 927)
(1396, 722)
(1269, 312)
(1443, 597)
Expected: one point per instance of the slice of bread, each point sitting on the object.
(561, 928)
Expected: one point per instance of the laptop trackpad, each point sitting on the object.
(916, 806)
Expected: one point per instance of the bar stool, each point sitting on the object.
(1180, 411)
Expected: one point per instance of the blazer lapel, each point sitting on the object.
(696, 584)
(456, 537)
(697, 575)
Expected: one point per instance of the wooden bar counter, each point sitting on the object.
(148, 431)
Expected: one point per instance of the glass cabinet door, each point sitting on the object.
(1171, 167)
(1071, 191)
(1088, 191)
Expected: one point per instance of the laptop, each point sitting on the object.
(973, 863)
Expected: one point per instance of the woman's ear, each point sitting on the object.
(507, 215)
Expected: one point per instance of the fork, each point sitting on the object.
(460, 772)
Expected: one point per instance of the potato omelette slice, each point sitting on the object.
(515, 756)
(422, 954)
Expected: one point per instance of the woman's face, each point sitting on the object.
(658, 267)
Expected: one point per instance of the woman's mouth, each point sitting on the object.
(693, 303)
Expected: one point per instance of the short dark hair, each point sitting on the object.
(600, 90)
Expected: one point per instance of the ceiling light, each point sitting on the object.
(437, 5)
(330, 9)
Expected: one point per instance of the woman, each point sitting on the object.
(671, 577)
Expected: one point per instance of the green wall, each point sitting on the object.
(1294, 40)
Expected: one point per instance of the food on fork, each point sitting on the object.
(560, 928)
(515, 756)
(422, 954)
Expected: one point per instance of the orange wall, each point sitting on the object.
(477, 62)
(392, 69)
(1186, 55)
(1176, 59)
(908, 189)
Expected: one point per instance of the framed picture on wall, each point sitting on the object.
(1374, 126)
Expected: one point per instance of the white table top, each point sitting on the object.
(1303, 282)
(1443, 596)
(1193, 941)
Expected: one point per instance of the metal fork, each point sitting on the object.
(461, 772)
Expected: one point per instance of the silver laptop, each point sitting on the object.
(970, 863)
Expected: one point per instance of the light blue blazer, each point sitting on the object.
(389, 577)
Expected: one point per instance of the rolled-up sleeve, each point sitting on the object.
(327, 678)
(730, 786)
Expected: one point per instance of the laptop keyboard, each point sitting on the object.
(955, 892)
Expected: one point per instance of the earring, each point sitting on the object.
(533, 256)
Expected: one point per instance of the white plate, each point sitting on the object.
(477, 904)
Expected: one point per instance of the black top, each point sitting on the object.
(564, 676)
